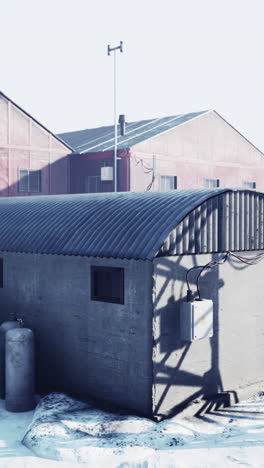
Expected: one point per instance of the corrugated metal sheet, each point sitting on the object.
(230, 221)
(136, 225)
(102, 138)
(124, 225)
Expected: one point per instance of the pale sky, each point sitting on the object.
(179, 56)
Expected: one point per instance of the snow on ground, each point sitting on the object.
(81, 435)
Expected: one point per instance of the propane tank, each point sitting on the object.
(5, 326)
(20, 370)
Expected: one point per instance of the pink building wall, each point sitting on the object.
(25, 144)
(205, 147)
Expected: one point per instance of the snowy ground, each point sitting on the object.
(65, 429)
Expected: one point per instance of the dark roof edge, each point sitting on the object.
(237, 131)
(35, 120)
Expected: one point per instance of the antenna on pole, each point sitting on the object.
(109, 50)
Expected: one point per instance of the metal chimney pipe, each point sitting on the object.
(122, 122)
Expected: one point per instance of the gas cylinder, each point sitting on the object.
(3, 329)
(20, 370)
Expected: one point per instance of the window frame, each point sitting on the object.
(88, 182)
(121, 286)
(27, 176)
(175, 182)
(211, 179)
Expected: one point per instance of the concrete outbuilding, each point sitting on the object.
(100, 279)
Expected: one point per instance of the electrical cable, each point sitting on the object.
(209, 265)
(151, 183)
(188, 272)
(253, 260)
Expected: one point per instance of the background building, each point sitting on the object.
(32, 159)
(186, 151)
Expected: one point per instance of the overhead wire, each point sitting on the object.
(253, 260)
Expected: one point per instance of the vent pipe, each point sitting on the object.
(122, 122)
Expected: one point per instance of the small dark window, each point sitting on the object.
(107, 284)
(29, 181)
(1, 273)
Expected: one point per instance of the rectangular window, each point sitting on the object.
(1, 273)
(92, 184)
(107, 284)
(29, 181)
(168, 183)
(250, 185)
(212, 183)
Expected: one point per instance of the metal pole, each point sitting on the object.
(115, 121)
(109, 50)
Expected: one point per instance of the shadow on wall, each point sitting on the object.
(69, 174)
(55, 179)
(172, 352)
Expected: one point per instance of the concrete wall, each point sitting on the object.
(232, 361)
(24, 144)
(84, 346)
(205, 147)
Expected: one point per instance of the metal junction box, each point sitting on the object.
(196, 320)
(106, 173)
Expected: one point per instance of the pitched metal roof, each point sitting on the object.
(131, 225)
(35, 120)
(102, 138)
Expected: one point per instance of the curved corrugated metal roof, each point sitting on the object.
(120, 225)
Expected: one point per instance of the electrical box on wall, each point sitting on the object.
(196, 320)
(106, 173)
